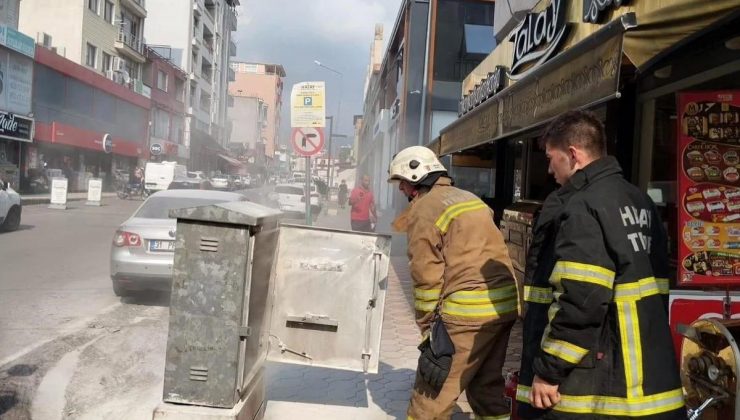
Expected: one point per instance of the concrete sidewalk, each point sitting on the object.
(318, 393)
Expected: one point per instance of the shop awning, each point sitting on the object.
(230, 160)
(664, 29)
(584, 76)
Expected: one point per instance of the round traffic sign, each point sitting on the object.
(307, 141)
(107, 143)
(155, 149)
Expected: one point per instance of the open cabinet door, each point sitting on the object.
(328, 298)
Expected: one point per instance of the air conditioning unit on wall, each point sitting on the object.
(118, 64)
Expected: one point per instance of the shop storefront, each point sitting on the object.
(578, 54)
(86, 127)
(16, 118)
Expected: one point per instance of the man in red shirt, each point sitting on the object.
(363, 216)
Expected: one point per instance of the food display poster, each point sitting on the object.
(709, 188)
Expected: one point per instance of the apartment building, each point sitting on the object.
(196, 36)
(265, 83)
(104, 35)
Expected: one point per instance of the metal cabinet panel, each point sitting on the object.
(328, 298)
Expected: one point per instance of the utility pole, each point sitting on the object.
(329, 141)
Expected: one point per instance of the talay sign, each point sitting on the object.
(490, 86)
(537, 38)
(593, 10)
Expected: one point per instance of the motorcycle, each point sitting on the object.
(132, 190)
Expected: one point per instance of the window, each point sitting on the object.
(108, 12)
(107, 62)
(92, 55)
(93, 5)
(161, 80)
(180, 90)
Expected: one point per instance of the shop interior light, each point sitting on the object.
(733, 43)
(663, 72)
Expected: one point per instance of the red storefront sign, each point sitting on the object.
(58, 133)
(709, 188)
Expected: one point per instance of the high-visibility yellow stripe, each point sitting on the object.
(612, 406)
(663, 285)
(423, 306)
(538, 294)
(491, 309)
(564, 350)
(443, 222)
(569, 270)
(629, 332)
(501, 417)
(427, 294)
(639, 289)
(476, 297)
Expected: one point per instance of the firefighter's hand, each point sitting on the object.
(544, 394)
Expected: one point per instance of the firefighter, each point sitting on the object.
(464, 290)
(596, 339)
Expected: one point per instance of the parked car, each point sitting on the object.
(10, 208)
(291, 199)
(236, 181)
(247, 181)
(143, 246)
(159, 175)
(189, 183)
(221, 182)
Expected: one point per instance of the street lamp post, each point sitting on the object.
(339, 110)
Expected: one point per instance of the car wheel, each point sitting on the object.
(12, 220)
(119, 290)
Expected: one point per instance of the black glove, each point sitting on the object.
(435, 360)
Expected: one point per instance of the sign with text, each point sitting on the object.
(308, 105)
(16, 82)
(15, 127)
(709, 187)
(307, 141)
(537, 38)
(94, 191)
(58, 193)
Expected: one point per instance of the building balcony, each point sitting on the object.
(138, 7)
(231, 74)
(197, 9)
(130, 45)
(231, 20)
(232, 48)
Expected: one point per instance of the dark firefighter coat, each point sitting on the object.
(596, 295)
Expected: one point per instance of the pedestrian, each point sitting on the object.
(466, 298)
(342, 194)
(596, 340)
(363, 216)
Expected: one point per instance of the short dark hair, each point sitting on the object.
(576, 128)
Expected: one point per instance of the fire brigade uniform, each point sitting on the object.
(458, 255)
(596, 290)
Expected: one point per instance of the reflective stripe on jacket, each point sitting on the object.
(453, 244)
(596, 287)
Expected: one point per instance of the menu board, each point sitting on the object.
(709, 187)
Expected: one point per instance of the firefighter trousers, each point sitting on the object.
(477, 366)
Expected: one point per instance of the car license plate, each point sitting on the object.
(159, 246)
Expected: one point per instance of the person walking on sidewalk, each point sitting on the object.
(362, 215)
(342, 194)
(466, 298)
(596, 339)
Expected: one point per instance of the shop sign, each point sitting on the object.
(580, 80)
(709, 187)
(490, 86)
(594, 10)
(473, 129)
(17, 41)
(155, 149)
(537, 38)
(107, 143)
(15, 127)
(16, 82)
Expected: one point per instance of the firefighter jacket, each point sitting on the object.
(595, 291)
(457, 253)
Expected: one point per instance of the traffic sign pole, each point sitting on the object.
(308, 190)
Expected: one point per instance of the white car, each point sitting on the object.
(10, 208)
(292, 200)
(221, 182)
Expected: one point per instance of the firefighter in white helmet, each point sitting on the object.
(466, 298)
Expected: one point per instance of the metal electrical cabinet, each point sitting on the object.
(516, 227)
(245, 286)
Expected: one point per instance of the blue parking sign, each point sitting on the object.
(308, 101)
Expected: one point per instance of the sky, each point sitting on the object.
(294, 33)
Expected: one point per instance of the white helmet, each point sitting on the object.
(414, 164)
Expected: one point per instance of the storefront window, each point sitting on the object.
(479, 181)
